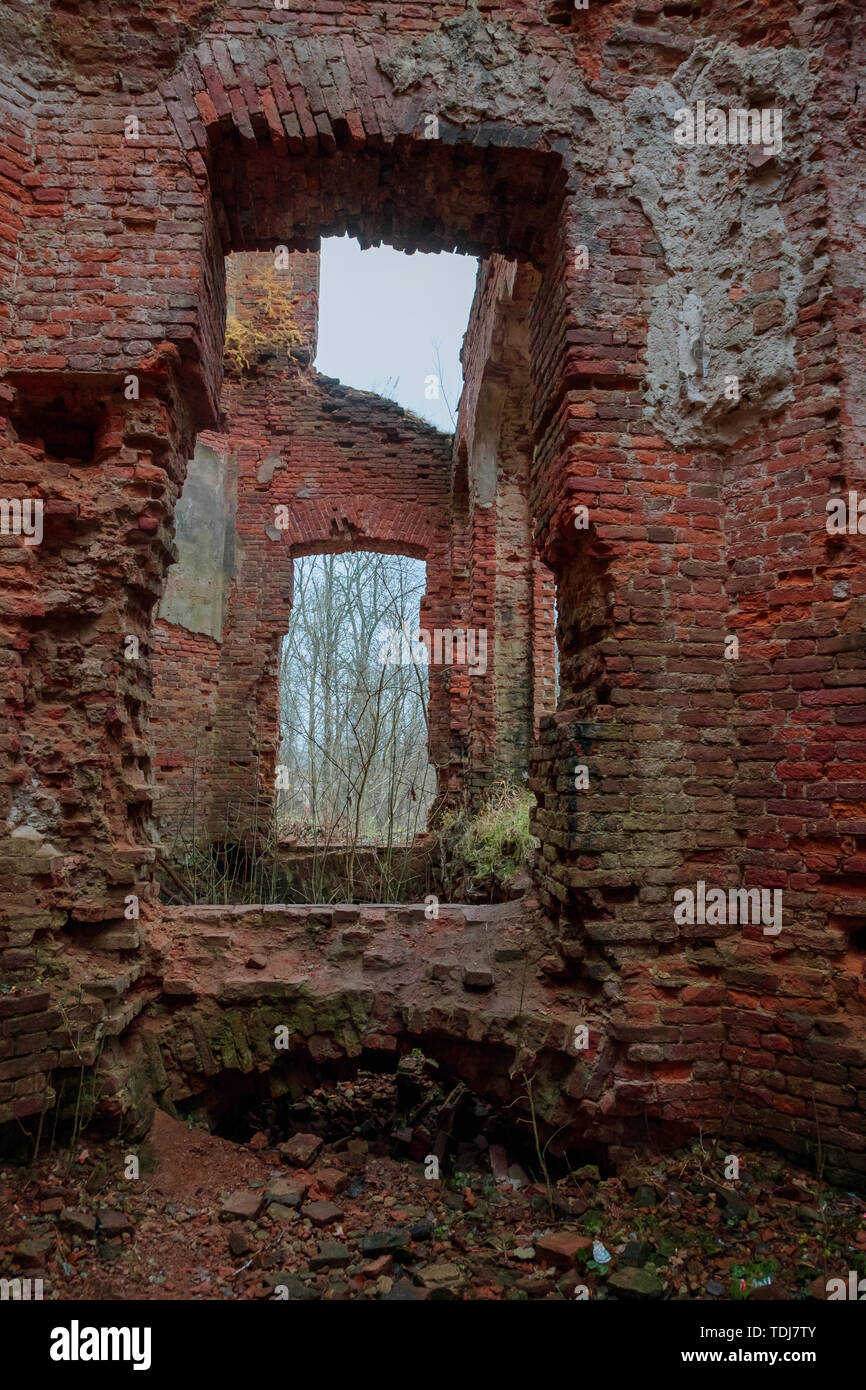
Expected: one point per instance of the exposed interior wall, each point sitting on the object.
(320, 467)
(545, 663)
(188, 636)
(795, 755)
(493, 432)
(17, 139)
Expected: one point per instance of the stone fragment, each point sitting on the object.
(441, 1276)
(238, 1243)
(389, 1242)
(478, 979)
(322, 1213)
(404, 1291)
(277, 1211)
(289, 1192)
(117, 939)
(560, 1248)
(301, 1150)
(81, 1223)
(291, 1287)
(332, 1180)
(636, 1254)
(736, 1207)
(508, 953)
(332, 1254)
(384, 1264)
(635, 1283)
(32, 1253)
(243, 1205)
(113, 1222)
(645, 1196)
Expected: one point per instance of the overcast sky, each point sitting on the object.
(382, 315)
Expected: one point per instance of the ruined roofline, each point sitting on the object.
(332, 386)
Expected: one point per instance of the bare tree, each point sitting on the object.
(354, 726)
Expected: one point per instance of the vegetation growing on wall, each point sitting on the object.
(273, 330)
(485, 852)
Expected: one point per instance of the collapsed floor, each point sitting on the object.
(335, 1196)
(268, 1002)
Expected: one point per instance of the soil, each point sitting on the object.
(335, 1196)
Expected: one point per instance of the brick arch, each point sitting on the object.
(276, 127)
(293, 134)
(386, 120)
(335, 524)
(365, 523)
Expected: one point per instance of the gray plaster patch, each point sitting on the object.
(715, 210)
(266, 471)
(196, 591)
(485, 70)
(34, 813)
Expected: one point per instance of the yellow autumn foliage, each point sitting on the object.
(274, 328)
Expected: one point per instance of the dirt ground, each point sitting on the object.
(335, 1198)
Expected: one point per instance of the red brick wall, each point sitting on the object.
(493, 434)
(543, 643)
(795, 1012)
(355, 472)
(17, 182)
(185, 684)
(701, 768)
(258, 132)
(77, 856)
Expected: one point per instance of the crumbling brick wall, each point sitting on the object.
(349, 470)
(494, 439)
(536, 134)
